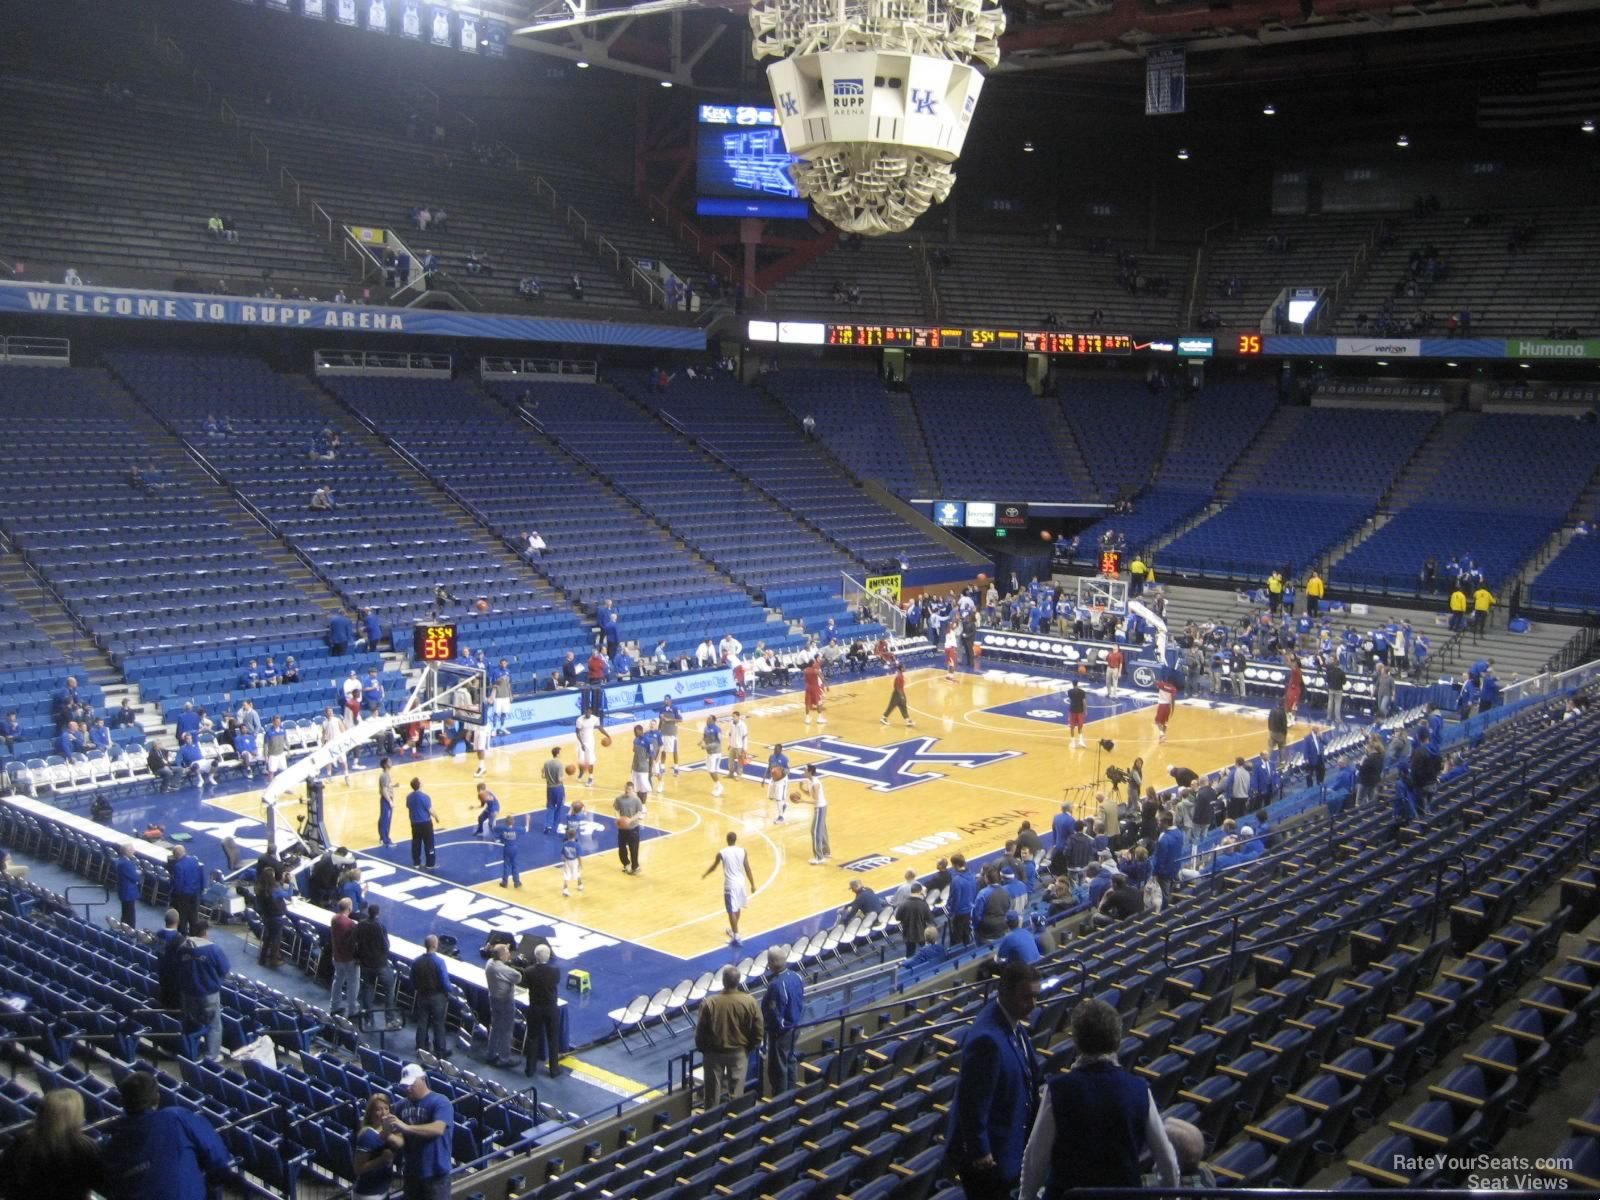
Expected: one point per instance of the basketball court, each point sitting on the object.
(987, 751)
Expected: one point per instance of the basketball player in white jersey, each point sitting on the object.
(738, 881)
(738, 745)
(586, 728)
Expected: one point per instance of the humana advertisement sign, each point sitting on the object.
(1552, 348)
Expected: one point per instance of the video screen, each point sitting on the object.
(743, 167)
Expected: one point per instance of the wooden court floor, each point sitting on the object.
(876, 814)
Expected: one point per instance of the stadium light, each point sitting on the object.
(581, 65)
(666, 83)
(1269, 109)
(1027, 147)
(875, 99)
(1402, 141)
(1588, 125)
(1183, 155)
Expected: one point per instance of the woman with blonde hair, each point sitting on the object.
(375, 1152)
(53, 1159)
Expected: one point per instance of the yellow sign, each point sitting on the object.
(887, 586)
(367, 235)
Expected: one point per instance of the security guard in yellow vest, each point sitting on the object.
(1315, 590)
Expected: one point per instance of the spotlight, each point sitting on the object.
(1402, 141)
(1269, 109)
(582, 66)
(1027, 147)
(1588, 125)
(666, 83)
(1450, 364)
(1183, 155)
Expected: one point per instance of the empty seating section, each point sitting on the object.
(749, 536)
(1120, 426)
(1349, 452)
(72, 202)
(1244, 277)
(1572, 580)
(1220, 422)
(883, 270)
(601, 546)
(1527, 292)
(161, 567)
(1015, 281)
(987, 437)
(871, 429)
(1264, 532)
(755, 437)
(389, 542)
(1507, 487)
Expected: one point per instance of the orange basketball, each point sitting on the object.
(571, 770)
(1082, 670)
(982, 577)
(483, 606)
(605, 739)
(777, 773)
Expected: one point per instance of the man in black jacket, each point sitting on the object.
(1336, 678)
(372, 952)
(914, 916)
(1368, 775)
(543, 981)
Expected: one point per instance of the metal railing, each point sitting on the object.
(1328, 304)
(569, 370)
(367, 361)
(36, 350)
(684, 232)
(885, 611)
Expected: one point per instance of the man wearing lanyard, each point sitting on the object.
(996, 1090)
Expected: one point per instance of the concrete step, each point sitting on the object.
(1260, 454)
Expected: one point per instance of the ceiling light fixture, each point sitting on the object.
(1183, 155)
(1027, 147)
(1402, 141)
(1588, 125)
(1269, 109)
(582, 66)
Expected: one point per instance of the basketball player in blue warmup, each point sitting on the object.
(711, 740)
(488, 812)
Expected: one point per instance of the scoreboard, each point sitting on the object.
(944, 337)
(434, 641)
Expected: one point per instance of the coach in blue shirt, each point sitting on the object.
(129, 880)
(995, 1090)
(781, 1009)
(419, 807)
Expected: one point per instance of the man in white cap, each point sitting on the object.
(426, 1121)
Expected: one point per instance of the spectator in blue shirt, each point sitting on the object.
(248, 747)
(609, 622)
(1168, 856)
(1013, 886)
(99, 735)
(929, 953)
(129, 880)
(157, 1153)
(192, 762)
(1019, 945)
(426, 1121)
(371, 628)
(375, 1151)
(188, 881)
(251, 676)
(372, 692)
(10, 731)
(188, 721)
(1099, 884)
(69, 741)
(340, 634)
(782, 1006)
(959, 904)
(202, 966)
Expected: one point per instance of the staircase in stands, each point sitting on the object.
(1066, 444)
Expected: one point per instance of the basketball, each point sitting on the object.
(982, 578)
(776, 773)
(571, 770)
(1045, 535)
(605, 739)
(483, 606)
(1082, 670)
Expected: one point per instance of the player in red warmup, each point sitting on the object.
(1167, 691)
(1296, 689)
(813, 676)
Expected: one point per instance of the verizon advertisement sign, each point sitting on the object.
(1379, 347)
